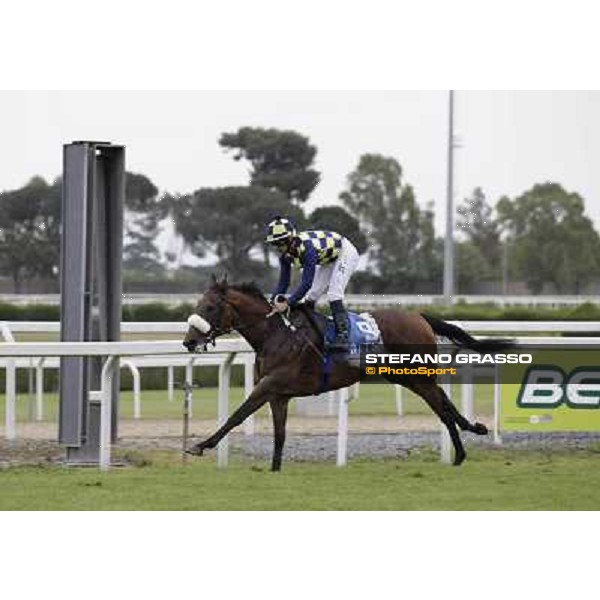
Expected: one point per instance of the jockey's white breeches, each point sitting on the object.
(333, 278)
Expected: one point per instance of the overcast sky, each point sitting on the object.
(510, 140)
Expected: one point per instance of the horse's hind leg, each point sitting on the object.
(461, 420)
(441, 406)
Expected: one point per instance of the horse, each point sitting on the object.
(289, 360)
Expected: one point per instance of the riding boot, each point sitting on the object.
(340, 320)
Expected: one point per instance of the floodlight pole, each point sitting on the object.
(449, 241)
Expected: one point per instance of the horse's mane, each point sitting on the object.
(249, 288)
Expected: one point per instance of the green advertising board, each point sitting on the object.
(559, 391)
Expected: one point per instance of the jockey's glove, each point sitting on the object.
(280, 303)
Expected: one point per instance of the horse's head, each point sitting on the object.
(212, 317)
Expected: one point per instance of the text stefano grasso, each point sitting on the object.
(447, 358)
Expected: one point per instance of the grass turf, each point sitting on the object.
(488, 480)
(491, 479)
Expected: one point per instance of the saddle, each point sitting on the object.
(362, 330)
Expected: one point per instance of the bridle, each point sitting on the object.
(237, 325)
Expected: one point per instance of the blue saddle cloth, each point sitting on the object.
(362, 330)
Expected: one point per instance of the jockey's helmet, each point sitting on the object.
(279, 230)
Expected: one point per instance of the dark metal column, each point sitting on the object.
(74, 276)
(109, 252)
(91, 251)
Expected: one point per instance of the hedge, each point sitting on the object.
(461, 311)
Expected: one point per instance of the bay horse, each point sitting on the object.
(289, 363)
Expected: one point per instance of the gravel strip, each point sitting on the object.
(324, 447)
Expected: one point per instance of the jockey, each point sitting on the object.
(327, 260)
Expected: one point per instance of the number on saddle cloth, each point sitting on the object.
(362, 329)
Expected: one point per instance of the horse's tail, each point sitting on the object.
(463, 339)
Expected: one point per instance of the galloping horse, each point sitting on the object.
(289, 363)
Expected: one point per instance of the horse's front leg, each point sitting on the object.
(279, 409)
(262, 393)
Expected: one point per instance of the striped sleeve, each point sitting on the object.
(284, 275)
(309, 263)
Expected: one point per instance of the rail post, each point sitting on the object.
(223, 408)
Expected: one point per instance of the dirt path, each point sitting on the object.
(308, 439)
(37, 444)
(296, 425)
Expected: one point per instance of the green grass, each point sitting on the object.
(374, 400)
(488, 480)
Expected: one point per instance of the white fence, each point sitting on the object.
(37, 365)
(159, 353)
(113, 351)
(134, 364)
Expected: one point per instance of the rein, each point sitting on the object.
(286, 320)
(217, 331)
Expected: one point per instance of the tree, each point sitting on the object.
(335, 218)
(280, 160)
(140, 253)
(30, 231)
(401, 234)
(231, 222)
(144, 209)
(471, 266)
(476, 221)
(30, 226)
(141, 195)
(551, 238)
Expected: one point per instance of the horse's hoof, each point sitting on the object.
(480, 429)
(195, 451)
(459, 459)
